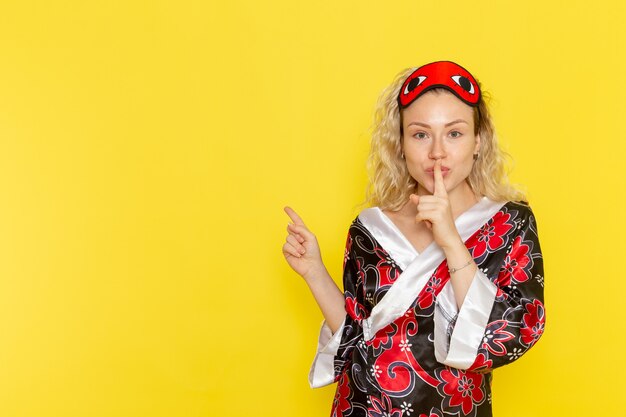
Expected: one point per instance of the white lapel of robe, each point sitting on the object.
(417, 268)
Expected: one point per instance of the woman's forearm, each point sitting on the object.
(328, 296)
(457, 257)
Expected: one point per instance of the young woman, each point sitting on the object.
(443, 273)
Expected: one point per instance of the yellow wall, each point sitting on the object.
(147, 149)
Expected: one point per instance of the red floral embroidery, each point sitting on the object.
(516, 264)
(495, 337)
(355, 309)
(533, 323)
(386, 267)
(382, 407)
(462, 390)
(490, 237)
(341, 401)
(427, 295)
(481, 364)
(384, 337)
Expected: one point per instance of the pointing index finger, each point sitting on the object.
(294, 216)
(440, 188)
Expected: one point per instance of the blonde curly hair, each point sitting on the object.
(390, 183)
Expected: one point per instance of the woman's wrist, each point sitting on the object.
(457, 255)
(454, 245)
(316, 273)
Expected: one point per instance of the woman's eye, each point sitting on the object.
(420, 135)
(458, 134)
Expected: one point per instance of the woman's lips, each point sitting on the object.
(444, 171)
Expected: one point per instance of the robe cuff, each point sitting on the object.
(458, 336)
(323, 368)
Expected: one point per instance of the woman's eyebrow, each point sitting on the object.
(446, 125)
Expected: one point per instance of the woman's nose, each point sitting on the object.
(437, 150)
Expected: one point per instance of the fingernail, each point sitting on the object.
(302, 251)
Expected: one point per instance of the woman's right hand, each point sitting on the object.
(301, 249)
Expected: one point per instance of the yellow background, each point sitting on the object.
(147, 150)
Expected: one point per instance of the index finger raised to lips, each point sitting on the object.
(440, 188)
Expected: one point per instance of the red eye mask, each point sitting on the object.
(445, 74)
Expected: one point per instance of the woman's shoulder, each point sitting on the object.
(522, 213)
(369, 211)
(521, 206)
(364, 217)
(372, 215)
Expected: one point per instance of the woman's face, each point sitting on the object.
(439, 126)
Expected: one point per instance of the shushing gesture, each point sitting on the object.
(436, 212)
(301, 249)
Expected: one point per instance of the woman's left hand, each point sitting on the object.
(436, 212)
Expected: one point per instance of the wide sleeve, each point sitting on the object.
(503, 314)
(335, 350)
